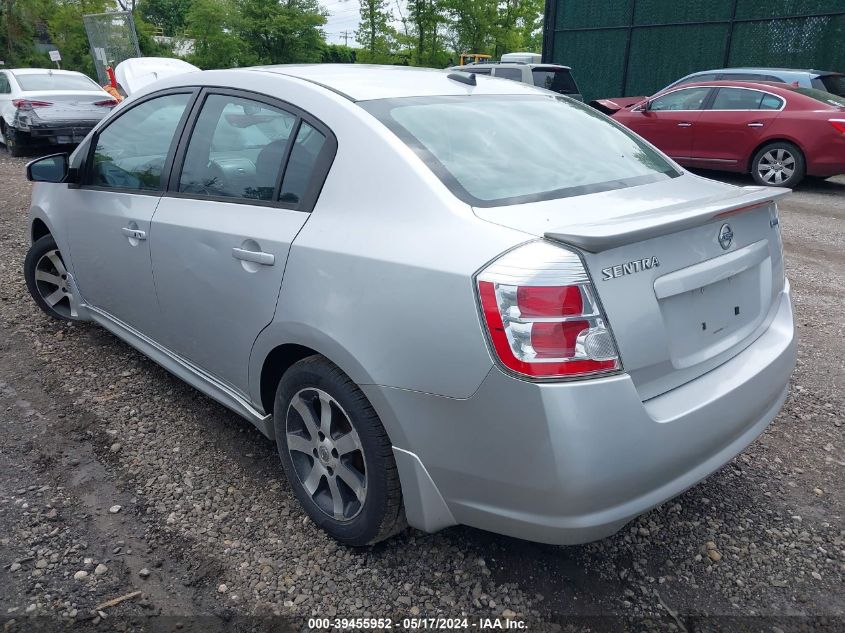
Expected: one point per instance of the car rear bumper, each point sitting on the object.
(573, 462)
(57, 132)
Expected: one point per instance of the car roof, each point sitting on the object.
(43, 71)
(770, 86)
(512, 65)
(754, 69)
(363, 82)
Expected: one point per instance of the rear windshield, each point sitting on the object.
(493, 150)
(820, 95)
(831, 83)
(37, 81)
(555, 79)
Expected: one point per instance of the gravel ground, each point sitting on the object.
(118, 480)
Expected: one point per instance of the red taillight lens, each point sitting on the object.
(106, 103)
(838, 125)
(542, 315)
(25, 104)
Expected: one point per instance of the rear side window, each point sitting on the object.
(824, 97)
(514, 74)
(697, 78)
(750, 77)
(494, 150)
(237, 149)
(834, 84)
(35, 81)
(301, 164)
(555, 79)
(741, 99)
(132, 151)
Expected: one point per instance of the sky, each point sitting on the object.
(344, 16)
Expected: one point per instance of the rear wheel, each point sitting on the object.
(336, 454)
(778, 164)
(12, 138)
(47, 280)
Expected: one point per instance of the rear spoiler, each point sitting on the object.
(595, 237)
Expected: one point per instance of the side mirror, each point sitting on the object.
(647, 106)
(53, 168)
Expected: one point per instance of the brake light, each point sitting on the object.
(838, 125)
(26, 104)
(110, 103)
(542, 316)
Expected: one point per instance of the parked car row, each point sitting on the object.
(448, 299)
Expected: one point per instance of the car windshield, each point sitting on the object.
(50, 81)
(511, 149)
(831, 83)
(821, 95)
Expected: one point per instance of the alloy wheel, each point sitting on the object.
(51, 280)
(776, 166)
(326, 453)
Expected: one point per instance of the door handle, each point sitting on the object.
(134, 233)
(755, 124)
(684, 124)
(265, 259)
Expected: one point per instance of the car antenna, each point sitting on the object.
(464, 78)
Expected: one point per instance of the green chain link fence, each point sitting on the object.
(636, 47)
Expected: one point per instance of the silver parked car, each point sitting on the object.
(450, 300)
(549, 76)
(41, 107)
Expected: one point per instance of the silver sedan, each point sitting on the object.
(449, 299)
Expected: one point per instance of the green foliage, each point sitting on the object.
(375, 34)
(338, 54)
(210, 23)
(171, 16)
(67, 32)
(281, 32)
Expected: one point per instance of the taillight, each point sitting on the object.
(838, 125)
(26, 104)
(109, 103)
(542, 315)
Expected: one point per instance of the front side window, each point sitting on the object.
(52, 81)
(686, 99)
(555, 79)
(494, 150)
(236, 149)
(131, 152)
(741, 99)
(514, 74)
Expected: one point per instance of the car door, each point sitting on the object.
(248, 176)
(730, 127)
(669, 120)
(123, 178)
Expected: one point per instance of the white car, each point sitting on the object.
(40, 106)
(138, 72)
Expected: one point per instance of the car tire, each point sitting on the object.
(11, 137)
(46, 279)
(329, 437)
(778, 164)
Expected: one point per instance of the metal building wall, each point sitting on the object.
(635, 47)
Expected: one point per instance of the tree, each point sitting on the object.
(171, 16)
(281, 31)
(375, 35)
(210, 23)
(67, 32)
(471, 24)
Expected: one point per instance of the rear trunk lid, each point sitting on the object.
(688, 270)
(69, 105)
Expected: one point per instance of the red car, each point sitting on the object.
(778, 133)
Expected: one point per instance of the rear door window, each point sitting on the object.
(131, 152)
(515, 74)
(301, 165)
(237, 149)
(555, 79)
(742, 99)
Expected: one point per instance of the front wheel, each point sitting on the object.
(336, 454)
(47, 280)
(778, 164)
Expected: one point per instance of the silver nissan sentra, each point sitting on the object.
(449, 299)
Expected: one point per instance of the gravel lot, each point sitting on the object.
(116, 478)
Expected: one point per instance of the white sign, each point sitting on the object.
(55, 56)
(100, 53)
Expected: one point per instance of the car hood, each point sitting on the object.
(609, 106)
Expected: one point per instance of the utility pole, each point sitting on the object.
(345, 38)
